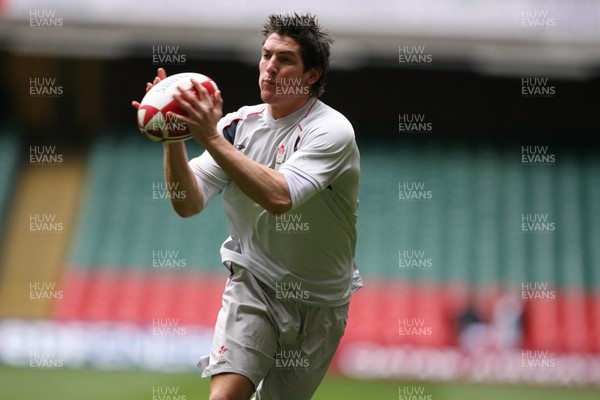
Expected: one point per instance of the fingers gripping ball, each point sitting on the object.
(152, 116)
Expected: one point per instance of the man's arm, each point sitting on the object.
(180, 178)
(262, 184)
(178, 174)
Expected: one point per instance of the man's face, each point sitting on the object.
(282, 79)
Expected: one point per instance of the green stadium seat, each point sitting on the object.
(122, 224)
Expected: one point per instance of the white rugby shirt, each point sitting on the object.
(308, 252)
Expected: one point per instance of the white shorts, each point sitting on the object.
(283, 346)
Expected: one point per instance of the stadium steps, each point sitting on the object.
(33, 257)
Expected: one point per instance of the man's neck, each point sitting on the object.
(281, 111)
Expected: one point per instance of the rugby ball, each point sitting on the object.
(152, 116)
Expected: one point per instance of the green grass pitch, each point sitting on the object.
(67, 384)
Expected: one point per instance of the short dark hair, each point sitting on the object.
(314, 42)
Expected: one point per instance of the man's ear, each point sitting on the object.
(314, 75)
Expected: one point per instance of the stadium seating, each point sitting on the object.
(469, 228)
(124, 220)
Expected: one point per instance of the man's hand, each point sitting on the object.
(202, 112)
(160, 75)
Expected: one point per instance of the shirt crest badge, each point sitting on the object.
(280, 154)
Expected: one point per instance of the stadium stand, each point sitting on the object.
(466, 231)
(126, 217)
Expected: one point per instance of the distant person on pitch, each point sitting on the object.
(289, 172)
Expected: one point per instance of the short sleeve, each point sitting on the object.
(323, 154)
(209, 175)
(301, 189)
